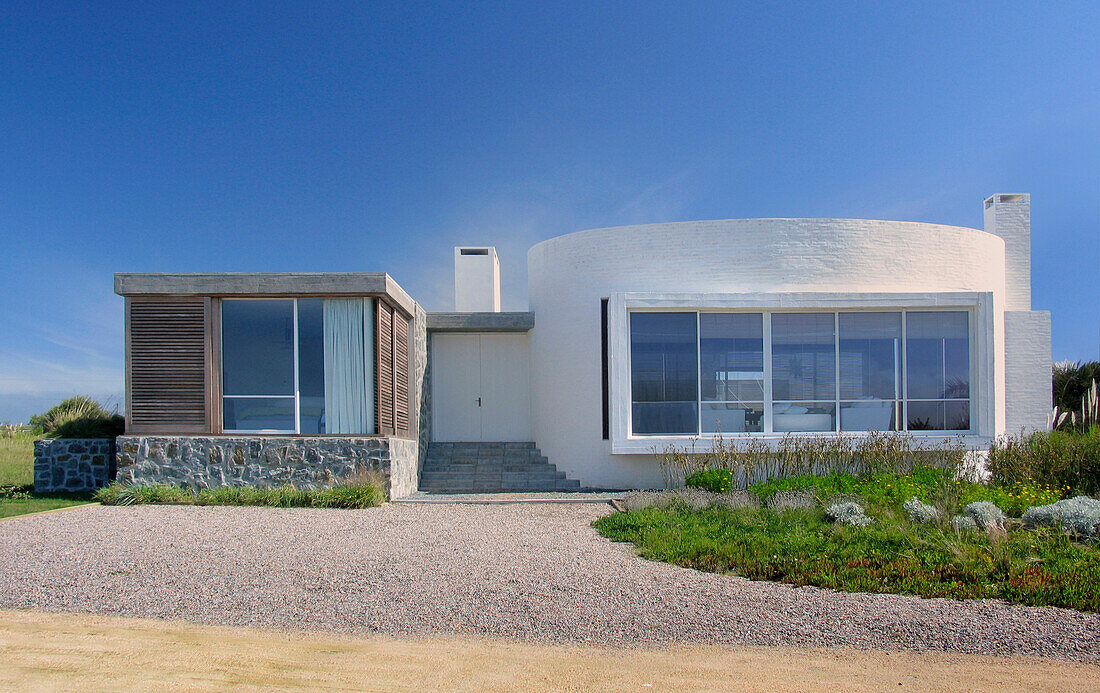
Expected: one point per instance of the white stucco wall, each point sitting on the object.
(569, 275)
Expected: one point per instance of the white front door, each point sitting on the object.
(480, 388)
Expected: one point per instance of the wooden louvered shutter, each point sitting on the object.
(401, 374)
(384, 381)
(167, 365)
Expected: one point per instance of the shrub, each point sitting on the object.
(964, 523)
(1080, 515)
(985, 514)
(920, 513)
(713, 480)
(1062, 460)
(848, 514)
(1072, 382)
(362, 495)
(79, 417)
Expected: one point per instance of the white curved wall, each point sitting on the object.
(569, 275)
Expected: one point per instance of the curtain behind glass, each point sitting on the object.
(346, 389)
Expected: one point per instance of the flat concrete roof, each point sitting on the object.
(480, 322)
(265, 284)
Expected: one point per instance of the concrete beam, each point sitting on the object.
(265, 284)
(480, 322)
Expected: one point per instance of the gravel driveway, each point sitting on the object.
(532, 571)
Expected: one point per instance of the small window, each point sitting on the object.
(473, 251)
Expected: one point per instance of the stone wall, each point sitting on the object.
(306, 462)
(73, 464)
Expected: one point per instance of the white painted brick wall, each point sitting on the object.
(1027, 371)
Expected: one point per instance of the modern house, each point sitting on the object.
(637, 337)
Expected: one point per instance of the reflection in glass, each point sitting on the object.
(937, 348)
(258, 414)
(258, 347)
(803, 357)
(732, 417)
(664, 373)
(799, 417)
(311, 366)
(731, 357)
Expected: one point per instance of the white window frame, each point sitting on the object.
(979, 305)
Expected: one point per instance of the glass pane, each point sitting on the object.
(803, 356)
(937, 349)
(258, 414)
(870, 356)
(258, 347)
(803, 416)
(733, 417)
(925, 416)
(311, 366)
(867, 415)
(957, 415)
(731, 356)
(664, 372)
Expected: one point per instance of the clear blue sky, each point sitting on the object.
(204, 136)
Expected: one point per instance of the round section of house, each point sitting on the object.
(653, 335)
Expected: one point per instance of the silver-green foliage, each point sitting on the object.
(848, 514)
(964, 523)
(1080, 515)
(920, 513)
(987, 515)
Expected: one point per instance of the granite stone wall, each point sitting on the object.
(73, 464)
(306, 462)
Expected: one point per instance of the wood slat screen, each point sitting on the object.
(401, 374)
(167, 365)
(384, 389)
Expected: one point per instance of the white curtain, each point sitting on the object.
(349, 368)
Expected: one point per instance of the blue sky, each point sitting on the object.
(375, 137)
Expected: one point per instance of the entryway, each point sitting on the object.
(480, 387)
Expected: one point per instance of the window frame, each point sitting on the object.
(978, 306)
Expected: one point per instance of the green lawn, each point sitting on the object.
(1035, 567)
(17, 496)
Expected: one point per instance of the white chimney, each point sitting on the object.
(477, 280)
(1009, 216)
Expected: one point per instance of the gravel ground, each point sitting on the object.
(525, 571)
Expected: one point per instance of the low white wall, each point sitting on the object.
(569, 275)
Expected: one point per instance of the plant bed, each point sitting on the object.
(1041, 567)
(362, 495)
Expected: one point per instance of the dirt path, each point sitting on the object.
(80, 652)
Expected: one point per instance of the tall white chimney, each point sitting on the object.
(1009, 216)
(477, 280)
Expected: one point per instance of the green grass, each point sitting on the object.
(1035, 567)
(368, 494)
(17, 496)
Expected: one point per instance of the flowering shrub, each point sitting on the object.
(713, 480)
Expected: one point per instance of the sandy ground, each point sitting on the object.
(41, 651)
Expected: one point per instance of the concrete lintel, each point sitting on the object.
(481, 322)
(265, 283)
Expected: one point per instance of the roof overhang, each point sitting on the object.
(481, 322)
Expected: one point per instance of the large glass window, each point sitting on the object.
(937, 351)
(731, 372)
(297, 365)
(827, 371)
(258, 354)
(870, 370)
(664, 373)
(803, 372)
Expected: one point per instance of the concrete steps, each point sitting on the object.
(490, 468)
